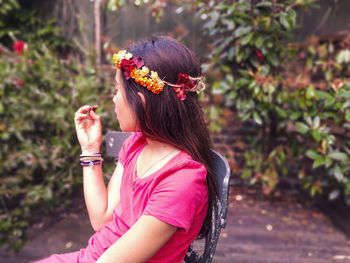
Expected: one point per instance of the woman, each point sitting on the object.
(160, 195)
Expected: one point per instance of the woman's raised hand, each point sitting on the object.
(89, 129)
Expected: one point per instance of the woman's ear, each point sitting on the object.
(142, 99)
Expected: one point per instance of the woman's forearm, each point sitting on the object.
(96, 196)
(140, 242)
(89, 133)
(101, 201)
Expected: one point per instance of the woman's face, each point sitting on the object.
(125, 115)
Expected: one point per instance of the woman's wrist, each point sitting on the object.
(91, 158)
(89, 151)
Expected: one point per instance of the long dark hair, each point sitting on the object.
(165, 117)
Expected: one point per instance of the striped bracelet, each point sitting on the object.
(91, 159)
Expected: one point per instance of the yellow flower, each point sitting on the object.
(154, 75)
(122, 54)
(141, 76)
(128, 55)
(144, 71)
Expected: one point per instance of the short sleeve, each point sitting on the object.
(179, 197)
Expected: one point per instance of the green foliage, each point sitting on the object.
(39, 93)
(156, 6)
(39, 154)
(7, 6)
(18, 19)
(297, 96)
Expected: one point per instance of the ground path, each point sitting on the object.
(258, 230)
(283, 230)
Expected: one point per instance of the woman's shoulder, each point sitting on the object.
(131, 144)
(184, 159)
(185, 167)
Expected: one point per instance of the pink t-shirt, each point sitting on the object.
(176, 194)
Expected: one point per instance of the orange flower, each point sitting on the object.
(337, 84)
(134, 68)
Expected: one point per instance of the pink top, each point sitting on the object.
(176, 194)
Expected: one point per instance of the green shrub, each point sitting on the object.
(296, 96)
(18, 18)
(39, 154)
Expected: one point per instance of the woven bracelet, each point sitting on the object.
(91, 163)
(91, 155)
(90, 158)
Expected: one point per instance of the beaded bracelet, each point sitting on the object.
(91, 164)
(91, 159)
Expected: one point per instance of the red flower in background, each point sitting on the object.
(17, 82)
(259, 55)
(19, 47)
(301, 55)
(0, 51)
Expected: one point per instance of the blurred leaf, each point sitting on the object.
(328, 162)
(346, 105)
(257, 118)
(339, 156)
(310, 92)
(246, 39)
(316, 134)
(214, 17)
(242, 30)
(259, 42)
(338, 174)
(313, 155)
(334, 194)
(303, 128)
(347, 115)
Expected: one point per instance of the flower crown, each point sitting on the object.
(135, 68)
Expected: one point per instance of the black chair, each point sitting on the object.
(197, 252)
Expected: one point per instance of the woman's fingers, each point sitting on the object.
(80, 117)
(83, 109)
(87, 112)
(88, 127)
(86, 118)
(94, 115)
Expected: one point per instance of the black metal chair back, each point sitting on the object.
(197, 253)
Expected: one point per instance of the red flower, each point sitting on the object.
(181, 92)
(19, 47)
(17, 82)
(0, 51)
(185, 80)
(186, 84)
(129, 65)
(259, 55)
(301, 55)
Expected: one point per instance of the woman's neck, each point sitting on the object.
(157, 146)
(153, 156)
